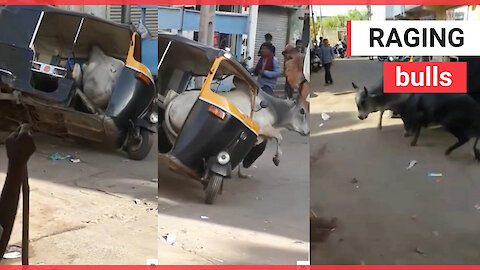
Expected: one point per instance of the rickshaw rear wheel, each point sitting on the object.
(213, 188)
(138, 148)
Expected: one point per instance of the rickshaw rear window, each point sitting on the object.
(112, 39)
(54, 40)
(227, 68)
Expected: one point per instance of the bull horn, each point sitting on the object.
(263, 104)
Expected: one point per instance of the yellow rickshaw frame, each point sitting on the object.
(207, 95)
(132, 63)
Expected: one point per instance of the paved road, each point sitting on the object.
(388, 215)
(84, 213)
(262, 220)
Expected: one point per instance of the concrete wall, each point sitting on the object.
(333, 34)
(295, 25)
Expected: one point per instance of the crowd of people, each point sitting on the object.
(267, 69)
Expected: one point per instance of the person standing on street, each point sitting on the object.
(267, 69)
(268, 42)
(327, 55)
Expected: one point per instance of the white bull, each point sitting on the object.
(271, 114)
(99, 75)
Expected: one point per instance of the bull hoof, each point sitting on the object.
(276, 161)
(448, 151)
(406, 134)
(477, 154)
(413, 143)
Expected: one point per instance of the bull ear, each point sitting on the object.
(365, 90)
(354, 86)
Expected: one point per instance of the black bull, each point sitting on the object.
(473, 72)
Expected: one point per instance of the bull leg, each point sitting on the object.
(461, 136)
(416, 135)
(276, 159)
(380, 120)
(476, 152)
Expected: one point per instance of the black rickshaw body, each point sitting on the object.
(214, 126)
(34, 39)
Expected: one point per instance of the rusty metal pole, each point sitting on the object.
(205, 28)
(25, 220)
(205, 31)
(126, 12)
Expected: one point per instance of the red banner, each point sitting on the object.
(242, 267)
(238, 2)
(425, 77)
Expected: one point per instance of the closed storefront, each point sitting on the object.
(273, 20)
(114, 13)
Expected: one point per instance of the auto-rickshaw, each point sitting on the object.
(216, 135)
(43, 51)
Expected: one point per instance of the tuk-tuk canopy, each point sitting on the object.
(180, 53)
(53, 28)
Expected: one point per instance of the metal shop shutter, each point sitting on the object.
(273, 20)
(115, 14)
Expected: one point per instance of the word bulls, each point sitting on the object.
(425, 77)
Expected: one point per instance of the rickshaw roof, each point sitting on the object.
(20, 22)
(189, 55)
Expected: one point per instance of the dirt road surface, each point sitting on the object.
(385, 213)
(262, 220)
(85, 213)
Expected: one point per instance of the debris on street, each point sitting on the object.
(434, 175)
(326, 117)
(419, 251)
(218, 260)
(411, 164)
(58, 156)
(171, 239)
(75, 160)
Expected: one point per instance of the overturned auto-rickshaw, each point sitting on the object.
(216, 135)
(75, 75)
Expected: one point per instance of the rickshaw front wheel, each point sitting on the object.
(213, 188)
(138, 148)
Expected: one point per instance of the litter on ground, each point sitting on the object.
(325, 117)
(411, 164)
